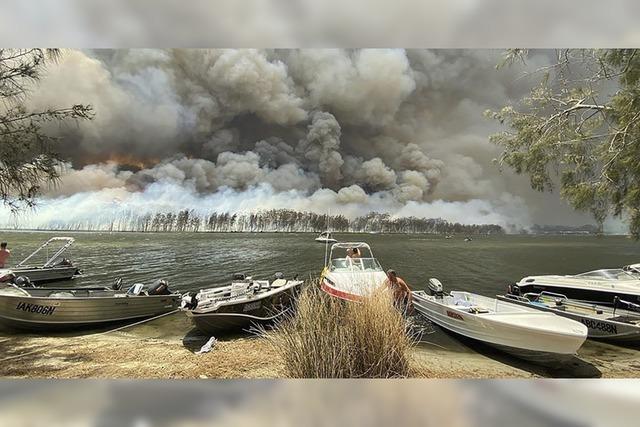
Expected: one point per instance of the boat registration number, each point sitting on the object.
(454, 315)
(601, 326)
(252, 306)
(45, 310)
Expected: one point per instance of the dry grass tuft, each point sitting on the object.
(329, 338)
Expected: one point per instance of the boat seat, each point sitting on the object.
(462, 302)
(477, 310)
(278, 282)
(240, 288)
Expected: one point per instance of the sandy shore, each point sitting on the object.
(156, 351)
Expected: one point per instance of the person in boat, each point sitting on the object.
(353, 253)
(5, 254)
(401, 292)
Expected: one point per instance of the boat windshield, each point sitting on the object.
(609, 274)
(355, 264)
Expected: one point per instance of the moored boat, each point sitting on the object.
(71, 308)
(352, 278)
(243, 303)
(522, 331)
(325, 237)
(613, 324)
(594, 287)
(55, 267)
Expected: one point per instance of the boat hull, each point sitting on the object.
(217, 323)
(352, 287)
(35, 313)
(517, 339)
(320, 240)
(594, 296)
(330, 288)
(243, 315)
(46, 275)
(600, 329)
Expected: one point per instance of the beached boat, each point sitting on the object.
(522, 331)
(243, 303)
(55, 267)
(604, 323)
(594, 287)
(351, 278)
(71, 308)
(325, 237)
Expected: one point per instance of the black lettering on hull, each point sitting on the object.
(45, 310)
(596, 325)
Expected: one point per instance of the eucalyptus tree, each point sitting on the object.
(28, 156)
(579, 129)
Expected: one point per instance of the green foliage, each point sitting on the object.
(27, 154)
(580, 127)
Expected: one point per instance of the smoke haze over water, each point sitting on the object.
(350, 131)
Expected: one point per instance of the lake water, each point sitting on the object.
(194, 260)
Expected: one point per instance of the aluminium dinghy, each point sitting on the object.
(55, 267)
(243, 303)
(522, 331)
(618, 324)
(72, 308)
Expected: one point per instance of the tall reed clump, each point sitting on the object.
(330, 338)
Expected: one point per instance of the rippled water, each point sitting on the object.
(194, 260)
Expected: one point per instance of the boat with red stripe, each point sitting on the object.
(352, 272)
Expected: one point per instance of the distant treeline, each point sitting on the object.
(564, 229)
(276, 220)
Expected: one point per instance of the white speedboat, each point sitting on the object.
(351, 278)
(594, 287)
(55, 267)
(618, 325)
(522, 331)
(325, 237)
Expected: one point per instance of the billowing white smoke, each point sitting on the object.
(340, 130)
(100, 209)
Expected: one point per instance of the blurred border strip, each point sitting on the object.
(326, 23)
(455, 403)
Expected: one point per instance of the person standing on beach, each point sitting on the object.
(401, 292)
(4, 254)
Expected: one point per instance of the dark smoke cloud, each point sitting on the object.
(380, 129)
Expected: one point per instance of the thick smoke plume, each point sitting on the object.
(346, 131)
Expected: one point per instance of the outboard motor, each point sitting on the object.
(435, 288)
(22, 281)
(117, 285)
(189, 301)
(279, 275)
(159, 287)
(239, 276)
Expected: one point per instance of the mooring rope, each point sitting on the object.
(17, 356)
